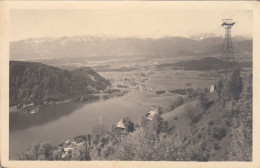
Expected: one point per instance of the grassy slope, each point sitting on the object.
(194, 135)
(201, 137)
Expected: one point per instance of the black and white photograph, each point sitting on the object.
(151, 83)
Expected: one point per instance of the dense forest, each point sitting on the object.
(33, 82)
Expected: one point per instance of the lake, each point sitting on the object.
(77, 119)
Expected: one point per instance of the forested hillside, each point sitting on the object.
(36, 82)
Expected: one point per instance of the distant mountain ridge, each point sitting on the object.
(36, 82)
(86, 46)
(204, 64)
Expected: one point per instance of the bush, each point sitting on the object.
(84, 153)
(235, 85)
(219, 133)
(179, 91)
(206, 90)
(196, 118)
(142, 145)
(249, 92)
(220, 86)
(176, 103)
(129, 125)
(159, 91)
(211, 122)
(203, 100)
(251, 79)
(39, 152)
(216, 146)
(80, 138)
(98, 132)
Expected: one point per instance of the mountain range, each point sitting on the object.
(88, 46)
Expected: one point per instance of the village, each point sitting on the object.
(68, 148)
(33, 108)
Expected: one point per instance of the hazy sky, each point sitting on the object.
(30, 23)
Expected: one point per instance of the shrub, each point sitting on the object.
(160, 91)
(159, 125)
(48, 151)
(189, 112)
(129, 125)
(84, 152)
(219, 89)
(251, 79)
(216, 146)
(203, 100)
(228, 122)
(206, 90)
(235, 85)
(143, 145)
(80, 138)
(176, 103)
(219, 133)
(249, 92)
(211, 122)
(97, 132)
(179, 91)
(39, 152)
(196, 118)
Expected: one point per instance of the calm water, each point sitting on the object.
(80, 120)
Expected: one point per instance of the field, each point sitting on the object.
(143, 81)
(141, 76)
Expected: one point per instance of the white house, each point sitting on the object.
(120, 124)
(151, 114)
(67, 152)
(213, 88)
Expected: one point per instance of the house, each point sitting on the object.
(35, 110)
(188, 86)
(213, 88)
(67, 142)
(74, 143)
(67, 153)
(28, 107)
(120, 125)
(151, 114)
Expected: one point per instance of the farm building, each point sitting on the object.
(120, 124)
(188, 86)
(213, 88)
(68, 142)
(67, 153)
(151, 114)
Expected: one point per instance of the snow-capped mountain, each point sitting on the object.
(204, 36)
(86, 46)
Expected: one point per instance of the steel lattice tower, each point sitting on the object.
(227, 56)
